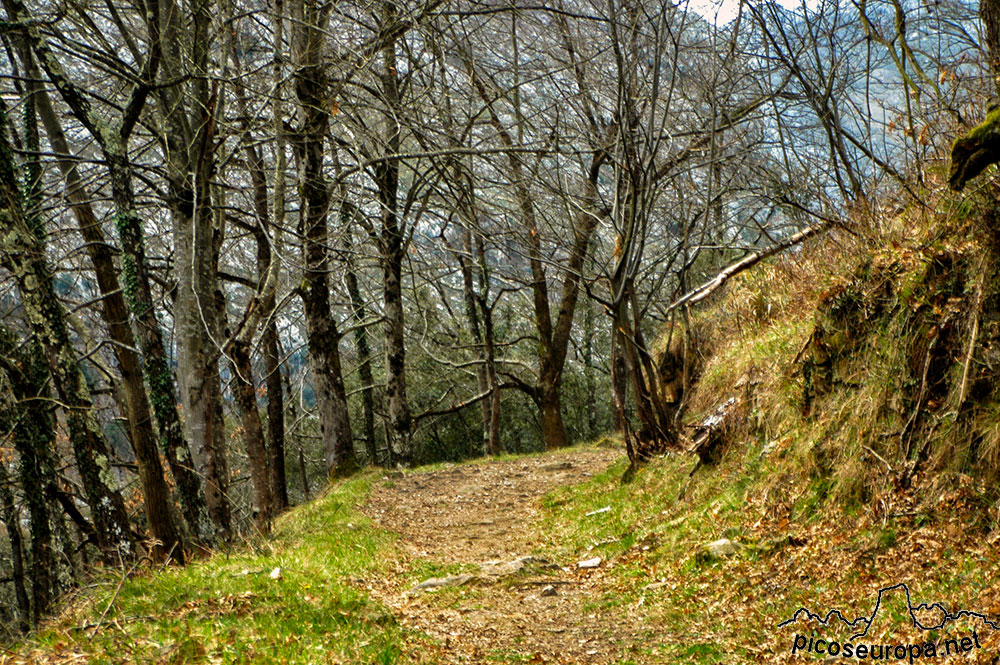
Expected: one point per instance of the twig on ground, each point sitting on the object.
(878, 457)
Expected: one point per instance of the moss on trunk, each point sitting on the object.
(972, 153)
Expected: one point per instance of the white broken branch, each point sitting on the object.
(710, 287)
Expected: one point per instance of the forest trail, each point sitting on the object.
(464, 516)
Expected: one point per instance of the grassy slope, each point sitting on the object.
(228, 609)
(794, 554)
(804, 484)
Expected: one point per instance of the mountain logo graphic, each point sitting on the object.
(862, 624)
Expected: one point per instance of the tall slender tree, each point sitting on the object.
(312, 91)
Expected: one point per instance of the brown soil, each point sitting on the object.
(471, 514)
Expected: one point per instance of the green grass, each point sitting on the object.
(228, 609)
(422, 569)
(648, 514)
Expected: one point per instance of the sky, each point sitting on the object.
(724, 11)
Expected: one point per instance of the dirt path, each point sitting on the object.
(471, 514)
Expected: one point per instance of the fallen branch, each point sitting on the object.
(972, 153)
(129, 618)
(710, 287)
(878, 457)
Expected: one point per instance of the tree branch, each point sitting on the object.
(711, 286)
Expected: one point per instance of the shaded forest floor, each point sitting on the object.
(501, 542)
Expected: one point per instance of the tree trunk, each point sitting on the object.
(156, 496)
(270, 341)
(24, 256)
(33, 437)
(253, 432)
(159, 377)
(472, 312)
(989, 12)
(589, 380)
(553, 338)
(475, 277)
(64, 549)
(275, 451)
(197, 372)
(188, 110)
(619, 382)
(550, 410)
(11, 519)
(195, 322)
(266, 462)
(395, 390)
(657, 430)
(292, 408)
(328, 382)
(363, 349)
(113, 144)
(635, 187)
(275, 416)
(195, 309)
(549, 366)
(393, 251)
(321, 328)
(493, 437)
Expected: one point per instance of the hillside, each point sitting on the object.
(854, 452)
(855, 446)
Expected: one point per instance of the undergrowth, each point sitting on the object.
(863, 450)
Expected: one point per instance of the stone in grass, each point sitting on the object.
(442, 582)
(549, 590)
(719, 549)
(589, 563)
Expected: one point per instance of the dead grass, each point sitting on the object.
(850, 353)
